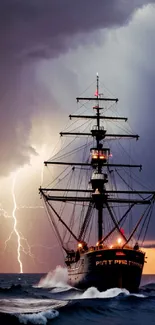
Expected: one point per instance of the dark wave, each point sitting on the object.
(8, 319)
(30, 318)
(38, 311)
(21, 291)
(148, 289)
(76, 311)
(21, 302)
(13, 288)
(149, 286)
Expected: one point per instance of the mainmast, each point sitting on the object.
(99, 196)
(99, 168)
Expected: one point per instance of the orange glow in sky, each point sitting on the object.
(149, 267)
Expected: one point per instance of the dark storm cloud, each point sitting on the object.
(31, 30)
(40, 27)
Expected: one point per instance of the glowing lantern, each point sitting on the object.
(99, 155)
(119, 240)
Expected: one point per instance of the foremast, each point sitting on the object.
(98, 183)
(100, 155)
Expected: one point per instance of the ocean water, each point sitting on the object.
(47, 299)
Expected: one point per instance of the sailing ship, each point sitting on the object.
(99, 217)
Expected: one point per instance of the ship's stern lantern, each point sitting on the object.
(99, 156)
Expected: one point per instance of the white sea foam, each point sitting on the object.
(92, 293)
(38, 318)
(30, 305)
(138, 295)
(61, 289)
(56, 278)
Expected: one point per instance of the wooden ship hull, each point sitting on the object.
(107, 268)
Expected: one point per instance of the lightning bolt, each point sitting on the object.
(8, 239)
(30, 207)
(19, 235)
(15, 224)
(3, 213)
(26, 249)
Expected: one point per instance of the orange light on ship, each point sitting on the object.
(119, 240)
(80, 245)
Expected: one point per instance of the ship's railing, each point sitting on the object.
(73, 256)
(104, 247)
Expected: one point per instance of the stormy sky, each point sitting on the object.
(49, 52)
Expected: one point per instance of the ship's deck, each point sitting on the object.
(105, 247)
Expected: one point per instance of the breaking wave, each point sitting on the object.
(57, 278)
(38, 318)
